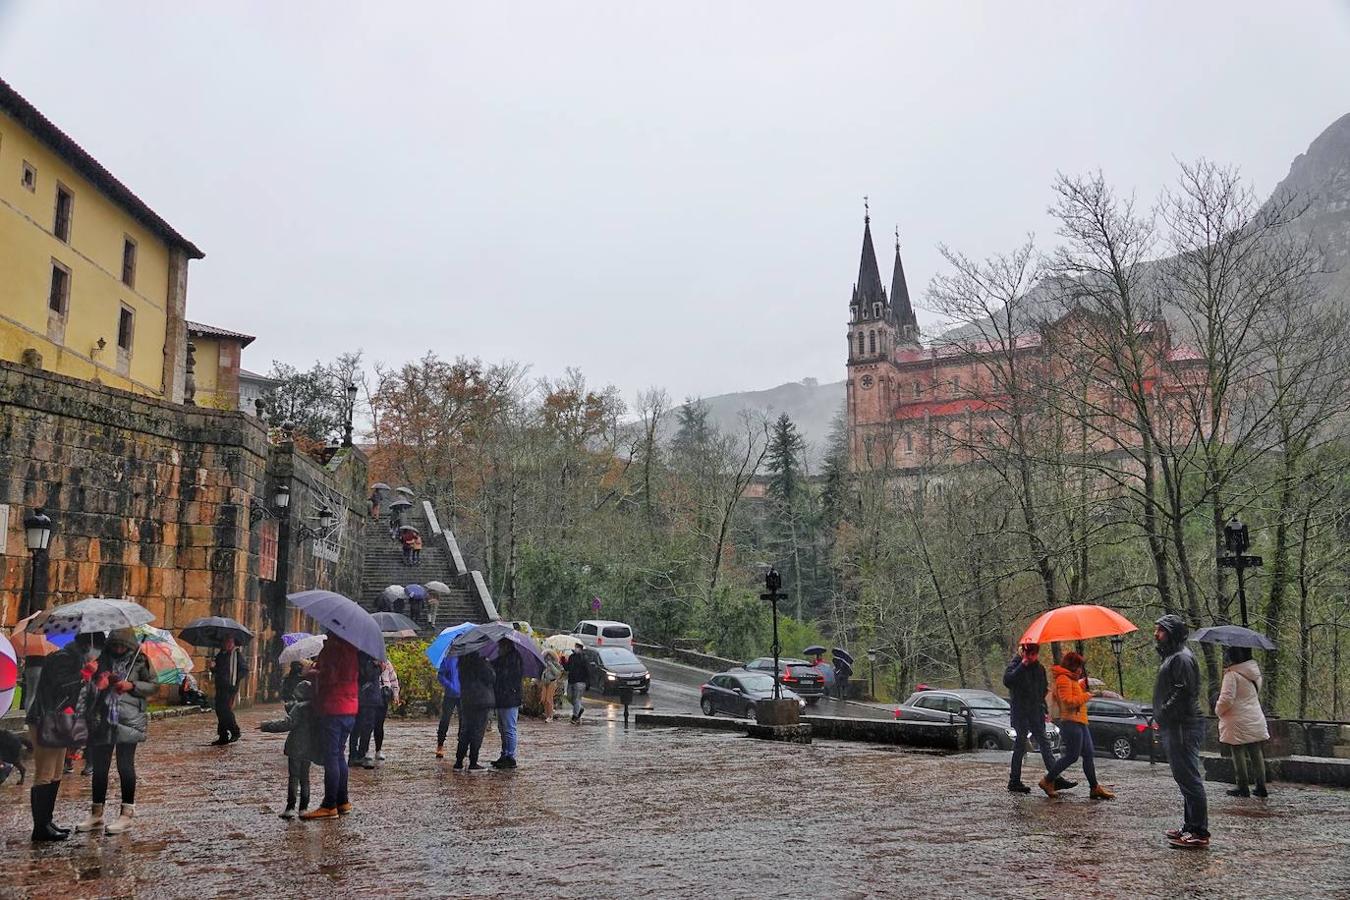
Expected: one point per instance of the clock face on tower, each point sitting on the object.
(866, 382)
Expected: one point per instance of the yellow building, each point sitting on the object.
(216, 369)
(93, 283)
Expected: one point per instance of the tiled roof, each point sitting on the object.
(66, 148)
(246, 375)
(198, 328)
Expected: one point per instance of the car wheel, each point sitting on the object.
(1122, 748)
(988, 742)
(643, 691)
(707, 707)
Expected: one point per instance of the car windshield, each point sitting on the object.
(617, 656)
(757, 682)
(986, 706)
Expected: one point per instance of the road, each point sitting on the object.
(675, 689)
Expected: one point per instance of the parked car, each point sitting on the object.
(603, 633)
(738, 692)
(797, 674)
(612, 668)
(990, 715)
(1122, 728)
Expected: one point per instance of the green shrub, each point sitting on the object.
(419, 691)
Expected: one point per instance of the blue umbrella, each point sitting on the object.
(436, 649)
(485, 641)
(416, 592)
(342, 617)
(288, 639)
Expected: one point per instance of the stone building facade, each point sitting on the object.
(171, 506)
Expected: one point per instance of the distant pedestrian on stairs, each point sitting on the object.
(406, 537)
(416, 548)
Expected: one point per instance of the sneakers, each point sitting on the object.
(379, 755)
(459, 764)
(1064, 784)
(508, 762)
(1239, 792)
(475, 767)
(1017, 787)
(498, 763)
(1048, 786)
(367, 763)
(289, 813)
(1172, 833)
(1189, 841)
(1100, 793)
(344, 809)
(321, 812)
(1261, 792)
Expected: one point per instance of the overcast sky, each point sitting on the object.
(660, 194)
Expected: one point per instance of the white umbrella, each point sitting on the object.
(439, 587)
(379, 486)
(305, 648)
(92, 614)
(394, 592)
(561, 643)
(406, 491)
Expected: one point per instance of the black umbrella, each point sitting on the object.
(841, 653)
(813, 650)
(213, 630)
(400, 504)
(842, 669)
(1233, 636)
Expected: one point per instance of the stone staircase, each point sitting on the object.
(384, 566)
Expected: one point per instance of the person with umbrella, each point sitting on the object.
(1072, 694)
(65, 685)
(1242, 724)
(447, 673)
(477, 683)
(227, 671)
(369, 706)
(118, 720)
(1176, 709)
(1025, 680)
(336, 702)
(508, 673)
(577, 677)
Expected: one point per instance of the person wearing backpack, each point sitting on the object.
(1242, 724)
(1025, 680)
(1072, 695)
(548, 684)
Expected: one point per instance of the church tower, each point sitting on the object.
(872, 334)
(906, 325)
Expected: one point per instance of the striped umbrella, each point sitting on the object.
(170, 661)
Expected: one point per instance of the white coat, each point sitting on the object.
(1241, 720)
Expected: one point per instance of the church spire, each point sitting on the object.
(868, 290)
(902, 309)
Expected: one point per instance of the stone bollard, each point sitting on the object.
(778, 712)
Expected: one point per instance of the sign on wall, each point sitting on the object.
(4, 528)
(267, 550)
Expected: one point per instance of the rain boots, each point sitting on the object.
(42, 800)
(95, 820)
(123, 821)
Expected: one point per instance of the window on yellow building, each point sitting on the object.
(58, 299)
(126, 328)
(29, 179)
(65, 208)
(128, 262)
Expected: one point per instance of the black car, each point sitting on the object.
(737, 692)
(803, 678)
(614, 668)
(1122, 729)
(990, 715)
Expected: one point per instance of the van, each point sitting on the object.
(602, 633)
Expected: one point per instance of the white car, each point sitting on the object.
(603, 633)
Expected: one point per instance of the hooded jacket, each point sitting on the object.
(1026, 688)
(509, 690)
(1176, 692)
(130, 724)
(476, 683)
(1072, 696)
(1241, 720)
(448, 674)
(335, 687)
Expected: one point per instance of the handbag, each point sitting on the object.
(67, 727)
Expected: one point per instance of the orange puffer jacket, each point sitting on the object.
(1073, 697)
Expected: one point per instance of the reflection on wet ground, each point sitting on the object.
(600, 812)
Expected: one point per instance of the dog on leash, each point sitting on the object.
(13, 748)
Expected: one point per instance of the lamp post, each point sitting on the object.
(773, 583)
(351, 411)
(872, 673)
(1236, 542)
(1118, 647)
(37, 534)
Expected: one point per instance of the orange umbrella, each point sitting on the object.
(26, 644)
(1076, 623)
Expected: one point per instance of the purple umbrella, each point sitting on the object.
(288, 639)
(342, 617)
(485, 641)
(416, 592)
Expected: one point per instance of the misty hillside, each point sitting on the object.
(810, 404)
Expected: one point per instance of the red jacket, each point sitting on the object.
(335, 679)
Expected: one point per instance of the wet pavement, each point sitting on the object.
(595, 811)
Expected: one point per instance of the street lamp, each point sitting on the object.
(351, 411)
(1237, 541)
(773, 583)
(326, 521)
(1118, 647)
(872, 673)
(37, 535)
(281, 501)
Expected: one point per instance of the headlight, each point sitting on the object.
(610, 678)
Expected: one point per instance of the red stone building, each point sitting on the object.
(912, 405)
